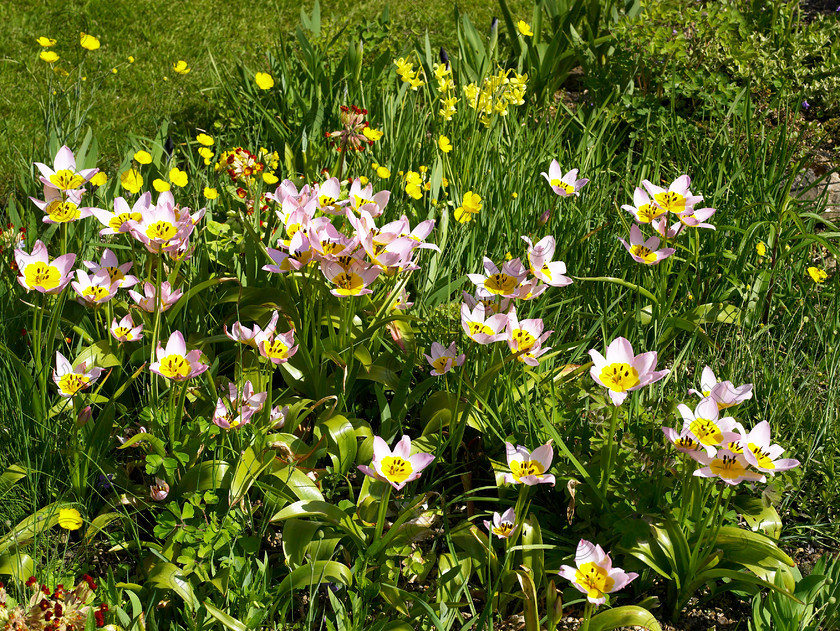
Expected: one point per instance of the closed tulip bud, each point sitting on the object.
(544, 217)
(84, 416)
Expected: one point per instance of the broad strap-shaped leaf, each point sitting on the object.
(626, 616)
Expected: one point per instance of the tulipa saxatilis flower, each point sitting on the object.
(677, 198)
(397, 467)
(504, 525)
(724, 393)
(732, 468)
(64, 175)
(125, 330)
(442, 360)
(350, 281)
(564, 185)
(162, 227)
(643, 210)
(594, 574)
(174, 362)
(363, 198)
(497, 282)
(71, 380)
(96, 289)
(668, 232)
(645, 251)
(621, 371)
(697, 218)
(117, 222)
(238, 408)
(61, 206)
(117, 272)
(528, 467)
(481, 330)
(762, 454)
(525, 334)
(682, 440)
(243, 334)
(278, 348)
(150, 302)
(707, 428)
(39, 273)
(540, 263)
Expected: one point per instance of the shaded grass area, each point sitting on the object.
(141, 95)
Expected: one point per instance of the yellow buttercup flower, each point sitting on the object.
(204, 139)
(130, 59)
(69, 519)
(143, 157)
(817, 275)
(181, 67)
(178, 177)
(131, 180)
(99, 179)
(523, 27)
(264, 81)
(760, 248)
(160, 185)
(444, 144)
(383, 172)
(46, 42)
(205, 153)
(270, 178)
(372, 134)
(210, 193)
(49, 56)
(363, 180)
(88, 42)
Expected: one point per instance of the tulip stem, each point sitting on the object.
(606, 471)
(587, 615)
(383, 512)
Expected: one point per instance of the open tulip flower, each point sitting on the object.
(621, 371)
(397, 467)
(594, 574)
(239, 333)
(39, 273)
(443, 359)
(528, 467)
(677, 198)
(763, 455)
(64, 175)
(724, 393)
(643, 210)
(125, 331)
(327, 196)
(709, 430)
(492, 305)
(526, 334)
(645, 251)
(71, 380)
(540, 263)
(352, 281)
(278, 348)
(239, 407)
(150, 302)
(497, 282)
(668, 232)
(161, 228)
(363, 198)
(116, 272)
(95, 289)
(564, 185)
(299, 255)
(697, 218)
(683, 440)
(62, 206)
(732, 468)
(117, 222)
(174, 362)
(481, 330)
(504, 525)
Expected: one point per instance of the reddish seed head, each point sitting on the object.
(89, 580)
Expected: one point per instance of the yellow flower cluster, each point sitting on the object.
(470, 205)
(415, 182)
(497, 92)
(405, 69)
(446, 90)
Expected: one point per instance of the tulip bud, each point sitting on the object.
(84, 416)
(444, 57)
(159, 490)
(544, 217)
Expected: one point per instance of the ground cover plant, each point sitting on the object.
(495, 332)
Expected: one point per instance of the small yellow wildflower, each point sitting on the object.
(444, 144)
(270, 178)
(49, 56)
(88, 42)
(69, 519)
(523, 27)
(178, 177)
(264, 81)
(761, 249)
(204, 139)
(181, 67)
(143, 157)
(514, 195)
(210, 193)
(46, 42)
(99, 179)
(817, 275)
(444, 182)
(383, 172)
(114, 70)
(372, 134)
(131, 180)
(205, 153)
(161, 186)
(130, 59)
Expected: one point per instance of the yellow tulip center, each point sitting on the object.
(479, 327)
(440, 364)
(175, 366)
(735, 447)
(563, 186)
(669, 200)
(276, 349)
(500, 284)
(95, 293)
(763, 458)
(326, 200)
(686, 442)
(331, 248)
(619, 377)
(115, 274)
(66, 180)
(520, 469)
(646, 254)
(706, 431)
(361, 201)
(42, 275)
(727, 468)
(62, 212)
(503, 530)
(123, 331)
(161, 231)
(348, 283)
(395, 469)
(648, 212)
(72, 382)
(594, 579)
(118, 220)
(523, 339)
